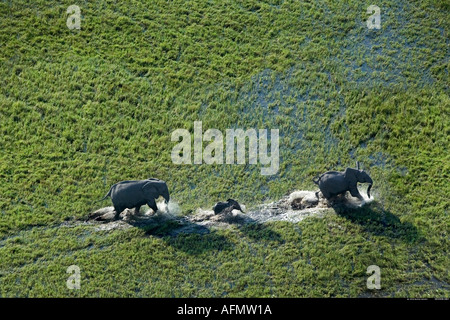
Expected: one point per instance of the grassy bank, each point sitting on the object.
(83, 109)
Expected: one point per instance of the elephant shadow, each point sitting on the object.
(260, 232)
(161, 226)
(184, 235)
(196, 243)
(190, 236)
(380, 222)
(194, 238)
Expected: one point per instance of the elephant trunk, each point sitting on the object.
(368, 180)
(368, 190)
(167, 198)
(166, 195)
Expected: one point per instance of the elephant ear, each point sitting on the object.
(149, 187)
(350, 175)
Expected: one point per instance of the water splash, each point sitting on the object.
(352, 202)
(171, 209)
(174, 208)
(293, 208)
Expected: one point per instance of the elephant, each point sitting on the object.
(332, 183)
(230, 205)
(136, 193)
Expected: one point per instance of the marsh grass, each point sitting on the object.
(83, 109)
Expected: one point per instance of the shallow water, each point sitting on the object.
(293, 208)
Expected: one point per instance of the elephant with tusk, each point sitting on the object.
(332, 183)
(136, 193)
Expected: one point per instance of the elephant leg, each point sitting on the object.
(355, 193)
(327, 195)
(152, 204)
(137, 209)
(118, 210)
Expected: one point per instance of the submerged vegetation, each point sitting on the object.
(83, 109)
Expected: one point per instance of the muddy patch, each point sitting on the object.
(169, 220)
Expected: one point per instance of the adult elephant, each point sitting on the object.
(333, 183)
(136, 193)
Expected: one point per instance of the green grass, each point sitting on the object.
(83, 109)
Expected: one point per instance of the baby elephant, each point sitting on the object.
(229, 205)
